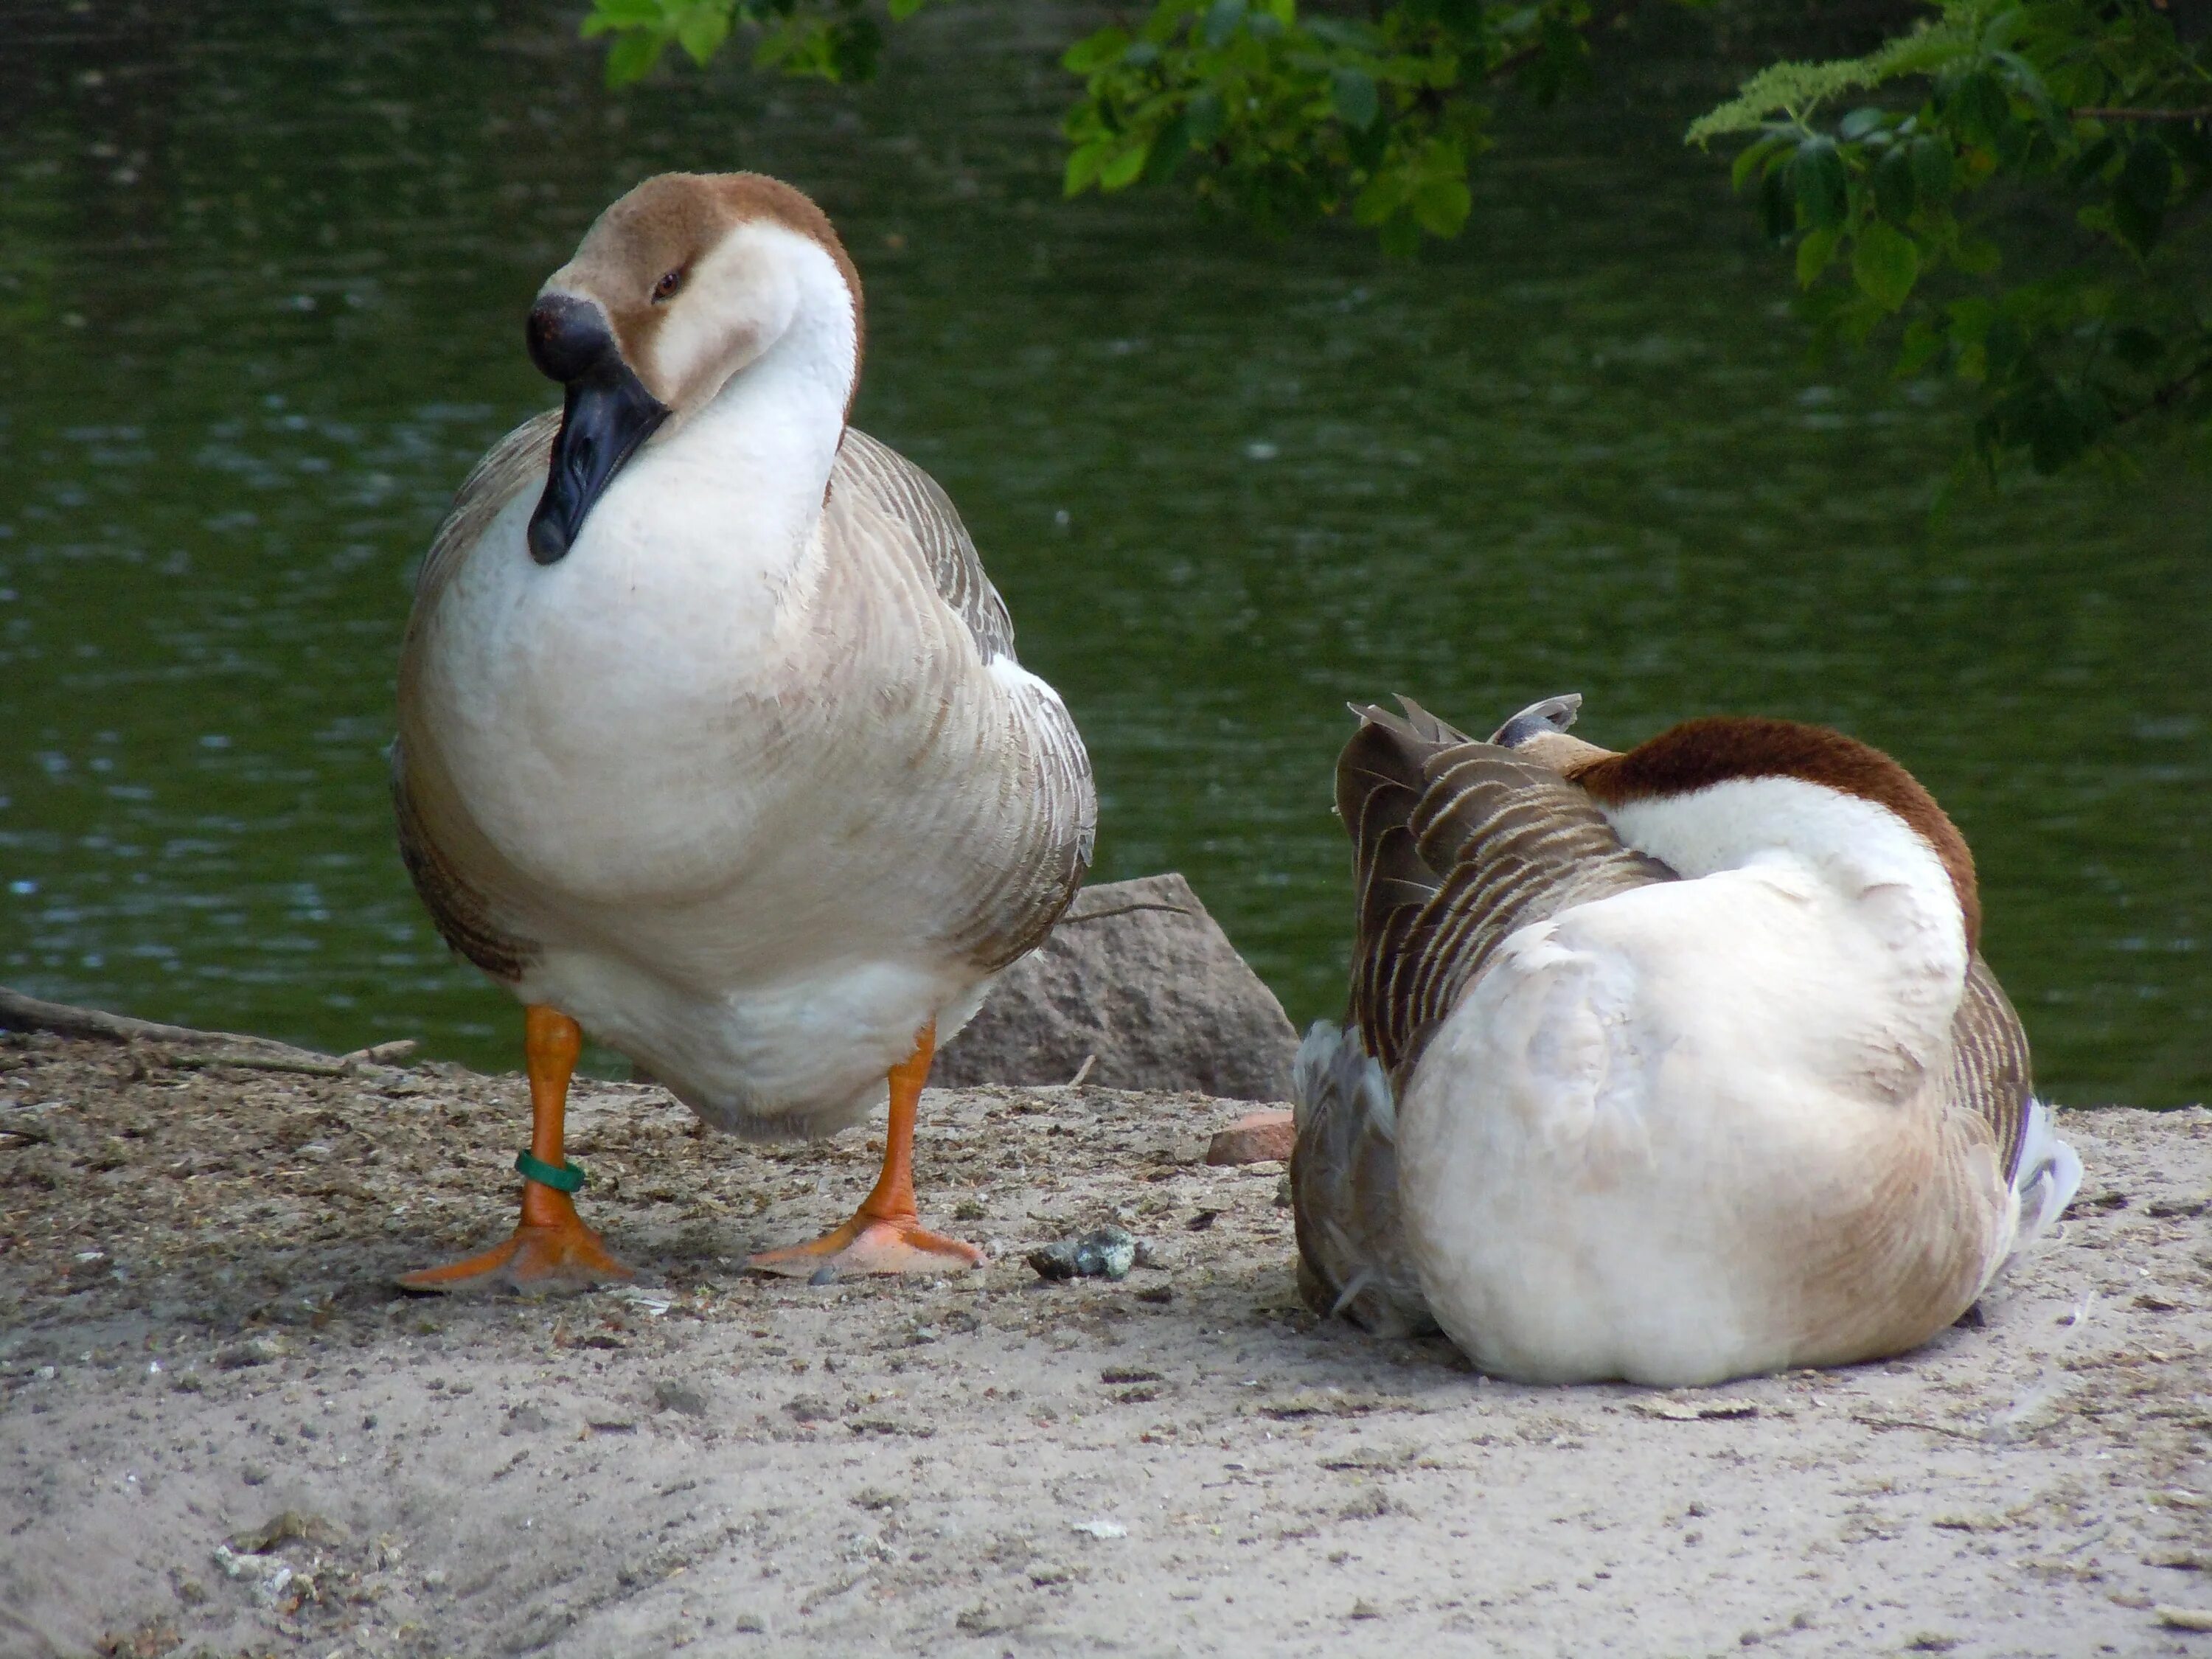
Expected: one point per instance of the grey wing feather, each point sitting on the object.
(1990, 1075)
(910, 495)
(514, 464)
(1344, 1190)
(458, 910)
(1458, 845)
(1029, 889)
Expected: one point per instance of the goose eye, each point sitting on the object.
(668, 284)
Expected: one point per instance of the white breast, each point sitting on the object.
(1653, 1118)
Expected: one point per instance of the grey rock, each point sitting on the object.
(1138, 975)
(686, 1399)
(1107, 1253)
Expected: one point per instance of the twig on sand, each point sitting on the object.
(201, 1049)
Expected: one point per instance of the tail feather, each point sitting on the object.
(1344, 1190)
(2048, 1176)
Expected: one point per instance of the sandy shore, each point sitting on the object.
(222, 1432)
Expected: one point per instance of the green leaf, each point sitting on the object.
(903, 9)
(1894, 193)
(1206, 117)
(1814, 254)
(2138, 348)
(1978, 256)
(1858, 125)
(2139, 197)
(1921, 345)
(632, 58)
(1120, 170)
(1824, 183)
(1096, 52)
(1083, 164)
(1777, 207)
(1222, 20)
(622, 15)
(1748, 162)
(1353, 92)
(700, 31)
(1441, 204)
(1381, 197)
(1931, 168)
(1885, 264)
(1168, 150)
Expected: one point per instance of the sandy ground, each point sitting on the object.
(222, 1432)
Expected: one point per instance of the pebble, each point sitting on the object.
(1255, 1137)
(1107, 1253)
(255, 1351)
(684, 1398)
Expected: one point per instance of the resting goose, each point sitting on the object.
(1670, 1067)
(712, 739)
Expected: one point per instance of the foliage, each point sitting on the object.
(2016, 193)
(1287, 117)
(828, 39)
(2027, 202)
(1281, 113)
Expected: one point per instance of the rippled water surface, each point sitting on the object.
(263, 269)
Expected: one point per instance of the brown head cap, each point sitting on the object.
(666, 225)
(1698, 754)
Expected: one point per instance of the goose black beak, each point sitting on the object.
(606, 414)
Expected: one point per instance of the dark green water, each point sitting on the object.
(263, 269)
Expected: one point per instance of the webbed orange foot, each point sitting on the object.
(558, 1253)
(869, 1244)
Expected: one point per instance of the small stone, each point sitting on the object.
(252, 1473)
(1255, 1137)
(522, 1420)
(1363, 1609)
(686, 1399)
(1108, 1253)
(2185, 1618)
(1053, 1261)
(255, 1351)
(283, 1528)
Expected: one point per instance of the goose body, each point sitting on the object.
(1671, 1066)
(712, 735)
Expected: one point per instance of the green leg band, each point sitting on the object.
(561, 1178)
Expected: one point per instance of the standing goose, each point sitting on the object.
(711, 739)
(1671, 1066)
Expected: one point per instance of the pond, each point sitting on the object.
(263, 272)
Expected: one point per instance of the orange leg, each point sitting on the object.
(886, 1236)
(549, 1247)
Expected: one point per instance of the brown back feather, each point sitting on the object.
(1457, 845)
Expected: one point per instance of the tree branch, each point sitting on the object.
(2142, 115)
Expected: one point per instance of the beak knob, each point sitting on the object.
(568, 337)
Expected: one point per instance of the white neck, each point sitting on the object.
(758, 454)
(1868, 856)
